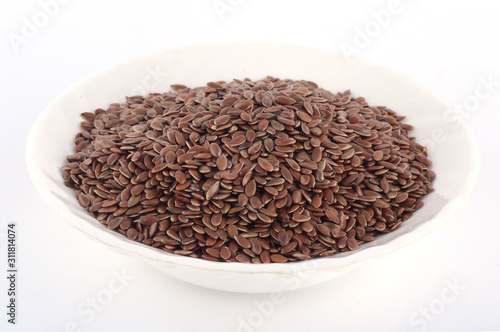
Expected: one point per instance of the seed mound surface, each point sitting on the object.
(248, 171)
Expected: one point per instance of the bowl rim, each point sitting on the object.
(337, 261)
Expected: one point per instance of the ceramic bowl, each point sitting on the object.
(451, 144)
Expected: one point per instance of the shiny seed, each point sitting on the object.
(243, 242)
(214, 189)
(238, 140)
(378, 155)
(265, 164)
(250, 188)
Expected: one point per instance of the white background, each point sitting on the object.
(450, 46)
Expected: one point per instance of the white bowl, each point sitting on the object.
(452, 147)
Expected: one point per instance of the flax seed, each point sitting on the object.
(267, 171)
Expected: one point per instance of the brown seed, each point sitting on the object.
(264, 218)
(273, 191)
(242, 199)
(256, 246)
(277, 125)
(384, 184)
(304, 116)
(286, 174)
(352, 243)
(246, 178)
(315, 142)
(285, 121)
(293, 164)
(265, 257)
(213, 252)
(225, 253)
(269, 144)
(148, 220)
(317, 155)
(132, 233)
(250, 135)
(423, 159)
(284, 141)
(115, 222)
(254, 148)
(215, 150)
(243, 242)
(216, 219)
(222, 162)
(250, 188)
(204, 155)
(238, 140)
(83, 200)
(136, 190)
(323, 229)
(243, 104)
(297, 196)
(265, 164)
(309, 165)
(180, 177)
(401, 197)
(267, 101)
(283, 237)
(307, 227)
(229, 101)
(316, 201)
(277, 258)
(380, 226)
(355, 161)
(378, 155)
(229, 176)
(301, 217)
(348, 154)
(170, 158)
(333, 215)
(336, 232)
(232, 231)
(387, 165)
(133, 200)
(159, 168)
(222, 120)
(284, 100)
(381, 204)
(214, 189)
(157, 124)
